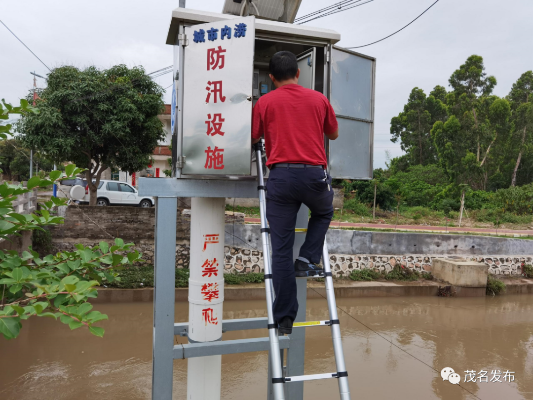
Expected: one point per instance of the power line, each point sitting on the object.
(335, 12)
(25, 46)
(390, 341)
(392, 34)
(338, 5)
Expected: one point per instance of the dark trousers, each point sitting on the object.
(287, 190)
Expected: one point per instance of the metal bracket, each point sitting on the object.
(182, 40)
(180, 162)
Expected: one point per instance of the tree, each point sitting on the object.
(521, 98)
(98, 119)
(413, 125)
(56, 286)
(15, 160)
(470, 84)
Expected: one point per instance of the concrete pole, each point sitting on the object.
(206, 294)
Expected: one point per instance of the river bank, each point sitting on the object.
(315, 290)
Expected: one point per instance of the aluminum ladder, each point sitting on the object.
(278, 380)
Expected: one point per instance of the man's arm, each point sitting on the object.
(334, 135)
(254, 141)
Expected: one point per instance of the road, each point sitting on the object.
(424, 228)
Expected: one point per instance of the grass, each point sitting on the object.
(248, 211)
(527, 271)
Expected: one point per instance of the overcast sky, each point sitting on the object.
(133, 32)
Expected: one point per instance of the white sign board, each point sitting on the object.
(217, 97)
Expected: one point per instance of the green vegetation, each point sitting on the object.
(55, 286)
(463, 142)
(494, 286)
(98, 119)
(398, 273)
(527, 271)
(135, 277)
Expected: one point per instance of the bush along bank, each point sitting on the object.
(398, 273)
(143, 276)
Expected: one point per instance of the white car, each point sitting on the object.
(118, 193)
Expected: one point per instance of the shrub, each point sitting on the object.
(42, 241)
(237, 279)
(527, 271)
(364, 275)
(401, 273)
(494, 286)
(143, 276)
(358, 208)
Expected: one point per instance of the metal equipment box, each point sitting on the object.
(211, 136)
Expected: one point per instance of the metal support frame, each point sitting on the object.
(164, 296)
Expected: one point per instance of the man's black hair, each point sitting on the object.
(283, 65)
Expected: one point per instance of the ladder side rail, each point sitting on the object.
(344, 388)
(277, 374)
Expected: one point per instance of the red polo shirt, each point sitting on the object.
(293, 121)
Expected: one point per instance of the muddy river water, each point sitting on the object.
(411, 341)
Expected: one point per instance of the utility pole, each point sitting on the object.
(34, 98)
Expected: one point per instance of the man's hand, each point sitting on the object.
(254, 141)
(334, 135)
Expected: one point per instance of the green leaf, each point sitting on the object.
(34, 182)
(74, 265)
(24, 103)
(75, 324)
(133, 256)
(104, 247)
(119, 242)
(117, 258)
(48, 314)
(70, 287)
(18, 309)
(97, 331)
(10, 327)
(60, 299)
(17, 274)
(15, 288)
(54, 175)
(84, 308)
(66, 319)
(64, 268)
(40, 306)
(7, 281)
(95, 316)
(69, 169)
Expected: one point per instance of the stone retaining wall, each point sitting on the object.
(242, 260)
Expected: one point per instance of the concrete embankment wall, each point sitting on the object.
(349, 250)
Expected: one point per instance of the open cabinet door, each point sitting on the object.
(217, 97)
(306, 63)
(352, 97)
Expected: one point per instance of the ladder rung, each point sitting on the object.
(310, 377)
(300, 230)
(311, 323)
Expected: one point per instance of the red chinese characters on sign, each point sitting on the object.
(209, 268)
(214, 158)
(214, 125)
(215, 58)
(210, 291)
(208, 239)
(208, 317)
(214, 88)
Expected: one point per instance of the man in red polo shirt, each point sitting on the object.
(293, 121)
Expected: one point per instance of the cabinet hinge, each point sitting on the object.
(327, 56)
(182, 40)
(180, 162)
